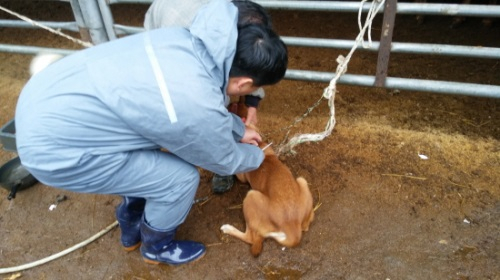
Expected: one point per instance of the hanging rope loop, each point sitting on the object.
(329, 92)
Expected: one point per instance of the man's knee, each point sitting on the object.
(181, 185)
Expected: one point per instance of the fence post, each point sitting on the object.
(89, 20)
(384, 51)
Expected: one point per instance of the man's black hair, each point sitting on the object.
(260, 55)
(250, 12)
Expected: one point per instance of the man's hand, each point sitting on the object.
(251, 137)
(251, 118)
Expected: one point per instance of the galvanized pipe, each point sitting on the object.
(403, 8)
(70, 26)
(80, 21)
(347, 79)
(32, 50)
(414, 48)
(93, 21)
(107, 18)
(410, 48)
(353, 6)
(478, 90)
(125, 29)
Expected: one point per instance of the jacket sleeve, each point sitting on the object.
(238, 128)
(210, 139)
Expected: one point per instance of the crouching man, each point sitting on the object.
(95, 121)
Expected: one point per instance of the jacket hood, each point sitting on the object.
(215, 35)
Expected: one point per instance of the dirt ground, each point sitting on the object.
(383, 212)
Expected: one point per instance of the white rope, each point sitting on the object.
(32, 22)
(60, 254)
(329, 92)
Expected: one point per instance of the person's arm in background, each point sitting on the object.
(252, 101)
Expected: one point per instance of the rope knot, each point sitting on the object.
(342, 67)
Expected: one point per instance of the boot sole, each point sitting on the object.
(132, 248)
(148, 261)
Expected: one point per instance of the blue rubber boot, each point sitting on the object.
(159, 247)
(129, 214)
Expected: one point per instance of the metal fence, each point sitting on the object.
(94, 21)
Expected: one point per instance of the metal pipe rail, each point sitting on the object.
(402, 8)
(69, 26)
(32, 49)
(400, 83)
(396, 47)
(353, 6)
(347, 79)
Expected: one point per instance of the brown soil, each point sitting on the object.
(383, 213)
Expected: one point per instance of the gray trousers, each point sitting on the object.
(167, 182)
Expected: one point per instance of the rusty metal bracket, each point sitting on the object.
(85, 34)
(384, 51)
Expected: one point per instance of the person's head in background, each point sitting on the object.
(251, 13)
(261, 59)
